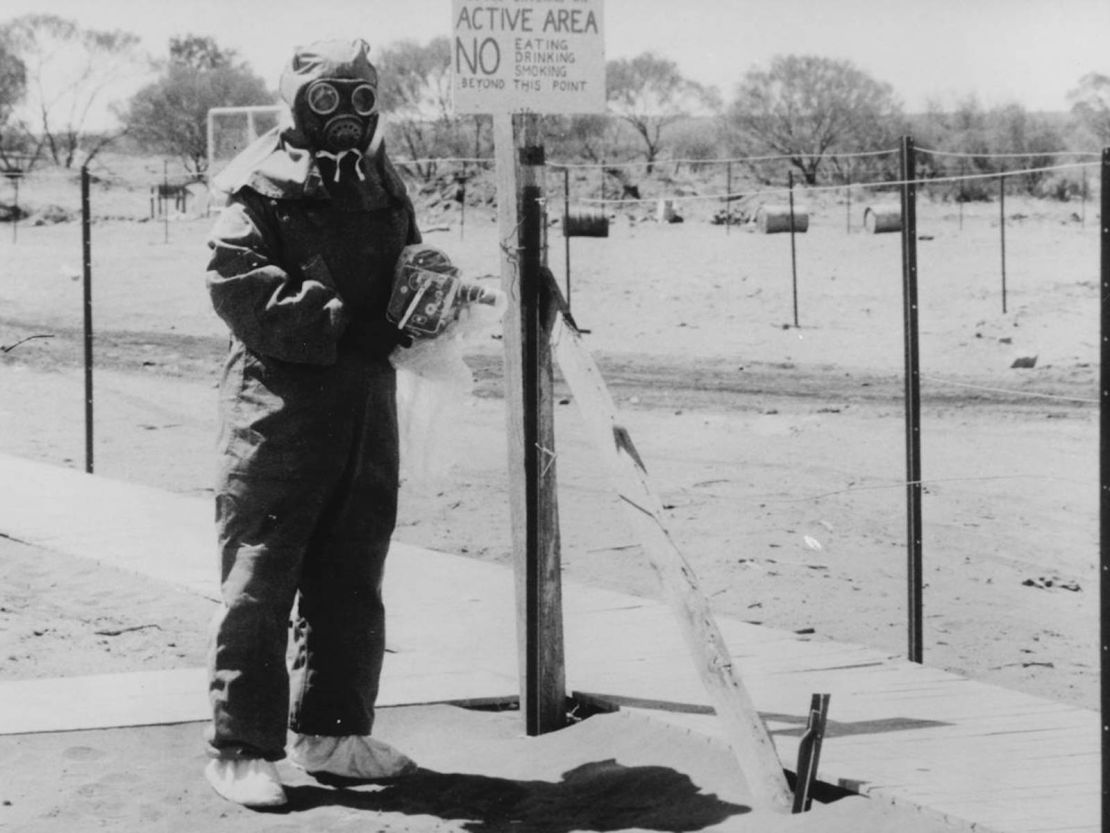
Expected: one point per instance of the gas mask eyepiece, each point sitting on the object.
(325, 97)
(343, 113)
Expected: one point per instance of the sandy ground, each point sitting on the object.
(477, 773)
(778, 450)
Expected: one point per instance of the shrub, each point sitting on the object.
(1061, 185)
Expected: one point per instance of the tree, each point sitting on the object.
(415, 89)
(70, 73)
(13, 86)
(171, 115)
(650, 93)
(13, 81)
(806, 107)
(961, 130)
(1013, 130)
(200, 52)
(588, 136)
(976, 138)
(1090, 105)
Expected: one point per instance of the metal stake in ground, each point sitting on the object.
(960, 197)
(728, 197)
(566, 228)
(793, 249)
(848, 209)
(13, 178)
(86, 257)
(1083, 201)
(166, 200)
(1002, 231)
(462, 202)
(809, 752)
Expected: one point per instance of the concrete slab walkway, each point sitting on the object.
(977, 756)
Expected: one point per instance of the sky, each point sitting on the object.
(1028, 52)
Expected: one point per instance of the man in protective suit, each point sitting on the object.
(301, 271)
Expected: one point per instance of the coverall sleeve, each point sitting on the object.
(292, 317)
(414, 230)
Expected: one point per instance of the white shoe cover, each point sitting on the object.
(353, 756)
(252, 782)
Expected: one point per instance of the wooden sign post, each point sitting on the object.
(515, 60)
(533, 498)
(504, 54)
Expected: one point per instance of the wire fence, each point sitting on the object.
(168, 199)
(762, 302)
(158, 194)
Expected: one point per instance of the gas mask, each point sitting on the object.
(339, 114)
(332, 91)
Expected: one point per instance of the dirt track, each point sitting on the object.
(653, 380)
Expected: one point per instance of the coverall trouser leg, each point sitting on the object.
(320, 542)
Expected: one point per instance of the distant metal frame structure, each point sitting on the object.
(251, 112)
(13, 167)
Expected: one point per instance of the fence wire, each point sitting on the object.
(151, 196)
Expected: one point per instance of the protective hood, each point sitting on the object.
(326, 59)
(281, 164)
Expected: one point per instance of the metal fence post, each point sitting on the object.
(1104, 474)
(913, 400)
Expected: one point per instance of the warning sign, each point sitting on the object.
(528, 56)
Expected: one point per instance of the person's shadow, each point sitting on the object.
(601, 796)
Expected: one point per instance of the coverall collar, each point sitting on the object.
(276, 168)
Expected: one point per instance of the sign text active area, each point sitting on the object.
(537, 56)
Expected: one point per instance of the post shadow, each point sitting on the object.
(598, 796)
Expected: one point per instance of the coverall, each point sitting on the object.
(306, 495)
